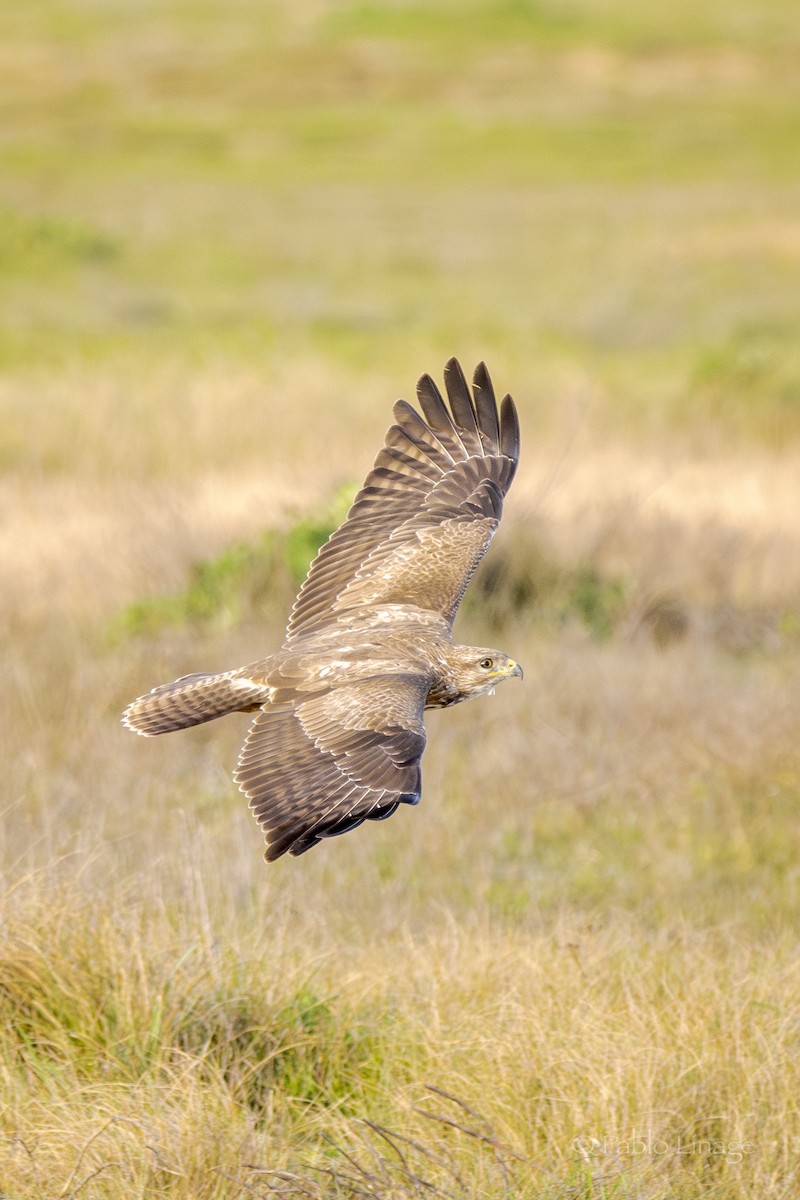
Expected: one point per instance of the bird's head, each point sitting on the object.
(479, 670)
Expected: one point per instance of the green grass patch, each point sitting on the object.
(49, 245)
(750, 384)
(521, 580)
(564, 22)
(260, 577)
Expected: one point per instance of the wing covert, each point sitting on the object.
(355, 755)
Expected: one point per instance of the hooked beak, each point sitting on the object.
(515, 669)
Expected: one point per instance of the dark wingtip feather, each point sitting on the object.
(486, 409)
(281, 846)
(481, 378)
(509, 429)
(462, 406)
(401, 410)
(426, 383)
(452, 367)
(433, 406)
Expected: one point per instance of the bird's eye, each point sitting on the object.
(486, 664)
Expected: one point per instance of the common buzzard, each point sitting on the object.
(339, 733)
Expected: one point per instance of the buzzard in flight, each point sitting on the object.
(339, 733)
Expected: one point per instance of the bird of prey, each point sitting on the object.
(338, 733)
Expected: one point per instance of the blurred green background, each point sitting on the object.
(587, 190)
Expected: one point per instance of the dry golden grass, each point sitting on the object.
(572, 1058)
(570, 972)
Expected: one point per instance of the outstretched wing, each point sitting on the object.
(316, 767)
(426, 513)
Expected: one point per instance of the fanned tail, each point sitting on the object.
(193, 699)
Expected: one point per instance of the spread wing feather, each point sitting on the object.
(486, 410)
(354, 752)
(426, 513)
(463, 409)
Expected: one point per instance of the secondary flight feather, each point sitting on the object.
(338, 734)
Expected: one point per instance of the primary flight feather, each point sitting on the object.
(339, 733)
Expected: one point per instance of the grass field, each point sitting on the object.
(230, 235)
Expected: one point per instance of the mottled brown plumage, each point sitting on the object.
(338, 734)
